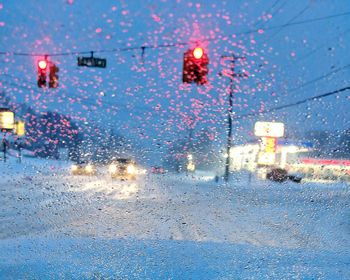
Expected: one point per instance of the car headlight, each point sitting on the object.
(131, 169)
(74, 167)
(89, 168)
(112, 168)
(143, 171)
(191, 166)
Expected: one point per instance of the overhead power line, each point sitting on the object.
(289, 21)
(323, 45)
(260, 24)
(297, 103)
(319, 78)
(170, 45)
(273, 109)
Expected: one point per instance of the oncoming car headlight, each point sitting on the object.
(89, 168)
(112, 168)
(74, 167)
(131, 169)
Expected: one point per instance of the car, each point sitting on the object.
(277, 175)
(157, 170)
(296, 177)
(123, 168)
(83, 169)
(281, 175)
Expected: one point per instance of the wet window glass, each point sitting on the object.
(174, 139)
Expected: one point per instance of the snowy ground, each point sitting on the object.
(53, 225)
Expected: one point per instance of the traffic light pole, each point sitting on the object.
(229, 123)
(232, 76)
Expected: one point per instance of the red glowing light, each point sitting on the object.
(198, 53)
(325, 161)
(42, 64)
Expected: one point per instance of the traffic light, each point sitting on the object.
(53, 82)
(195, 66)
(198, 53)
(42, 67)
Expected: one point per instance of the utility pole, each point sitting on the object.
(4, 145)
(232, 75)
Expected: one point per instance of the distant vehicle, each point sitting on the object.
(123, 168)
(277, 175)
(158, 170)
(281, 175)
(83, 169)
(295, 177)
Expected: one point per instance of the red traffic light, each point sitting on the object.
(42, 64)
(195, 66)
(42, 68)
(198, 53)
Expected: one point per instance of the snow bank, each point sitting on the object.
(162, 259)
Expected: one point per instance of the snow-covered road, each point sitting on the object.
(52, 205)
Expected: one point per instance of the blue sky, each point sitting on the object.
(145, 98)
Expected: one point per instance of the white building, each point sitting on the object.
(245, 157)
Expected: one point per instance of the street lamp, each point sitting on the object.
(7, 122)
(7, 119)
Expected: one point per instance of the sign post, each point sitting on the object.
(92, 61)
(267, 154)
(268, 133)
(269, 129)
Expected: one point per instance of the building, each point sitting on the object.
(245, 157)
